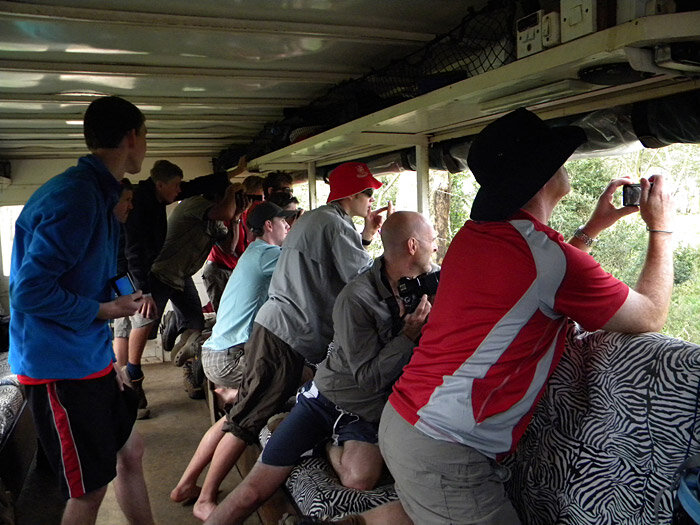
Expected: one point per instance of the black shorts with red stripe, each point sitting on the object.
(81, 425)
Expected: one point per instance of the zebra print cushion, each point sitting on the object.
(618, 417)
(11, 398)
(317, 491)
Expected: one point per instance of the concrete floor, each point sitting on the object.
(171, 434)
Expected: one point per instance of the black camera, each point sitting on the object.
(411, 290)
(631, 193)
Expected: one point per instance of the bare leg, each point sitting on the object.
(83, 510)
(129, 485)
(137, 343)
(186, 488)
(121, 350)
(227, 453)
(257, 487)
(358, 464)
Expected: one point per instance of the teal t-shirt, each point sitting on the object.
(245, 293)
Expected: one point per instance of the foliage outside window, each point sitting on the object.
(622, 248)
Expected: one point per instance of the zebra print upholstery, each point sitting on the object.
(11, 398)
(317, 491)
(618, 417)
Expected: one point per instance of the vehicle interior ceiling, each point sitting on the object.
(302, 86)
(259, 77)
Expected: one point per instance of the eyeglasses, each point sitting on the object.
(369, 192)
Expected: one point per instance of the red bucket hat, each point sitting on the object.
(350, 178)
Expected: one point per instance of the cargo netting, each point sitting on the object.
(484, 40)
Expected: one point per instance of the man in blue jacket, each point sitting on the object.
(64, 255)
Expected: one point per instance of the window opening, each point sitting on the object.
(8, 216)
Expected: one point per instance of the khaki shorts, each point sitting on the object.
(122, 327)
(224, 367)
(440, 482)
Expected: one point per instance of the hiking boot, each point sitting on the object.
(169, 330)
(186, 347)
(143, 411)
(193, 389)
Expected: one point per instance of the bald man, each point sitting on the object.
(373, 339)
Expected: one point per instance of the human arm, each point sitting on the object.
(122, 306)
(374, 221)
(349, 257)
(59, 255)
(604, 215)
(120, 376)
(144, 232)
(231, 206)
(646, 307)
(373, 356)
(241, 167)
(268, 259)
(140, 249)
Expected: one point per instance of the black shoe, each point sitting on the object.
(143, 411)
(169, 330)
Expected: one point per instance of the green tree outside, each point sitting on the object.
(622, 248)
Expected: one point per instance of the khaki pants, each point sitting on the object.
(439, 482)
(271, 375)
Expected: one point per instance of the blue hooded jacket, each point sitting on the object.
(64, 253)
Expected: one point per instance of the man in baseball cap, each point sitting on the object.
(321, 254)
(262, 212)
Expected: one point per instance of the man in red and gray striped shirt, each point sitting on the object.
(508, 287)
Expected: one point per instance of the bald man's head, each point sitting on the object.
(401, 227)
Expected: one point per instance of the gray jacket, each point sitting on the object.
(321, 254)
(369, 350)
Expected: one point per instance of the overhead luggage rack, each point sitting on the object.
(547, 82)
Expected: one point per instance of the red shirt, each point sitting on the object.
(219, 256)
(496, 331)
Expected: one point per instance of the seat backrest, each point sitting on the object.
(619, 415)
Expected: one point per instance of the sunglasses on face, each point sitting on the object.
(369, 192)
(288, 191)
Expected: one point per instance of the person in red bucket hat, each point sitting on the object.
(349, 179)
(321, 254)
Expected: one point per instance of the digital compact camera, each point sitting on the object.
(411, 290)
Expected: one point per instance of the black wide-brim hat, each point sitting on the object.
(513, 157)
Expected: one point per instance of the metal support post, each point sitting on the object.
(423, 179)
(311, 174)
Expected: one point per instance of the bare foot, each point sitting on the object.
(185, 494)
(202, 509)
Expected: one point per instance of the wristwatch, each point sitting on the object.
(583, 236)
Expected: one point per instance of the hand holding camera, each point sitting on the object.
(656, 205)
(413, 322)
(605, 213)
(411, 290)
